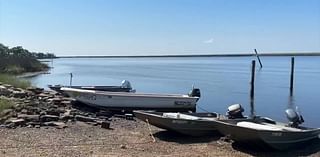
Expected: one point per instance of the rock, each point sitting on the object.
(123, 146)
(104, 113)
(33, 123)
(53, 111)
(35, 90)
(128, 116)
(93, 123)
(56, 100)
(10, 125)
(66, 115)
(7, 86)
(26, 101)
(34, 118)
(67, 112)
(59, 125)
(42, 95)
(31, 110)
(4, 91)
(84, 118)
(6, 112)
(48, 118)
(19, 94)
(65, 103)
(105, 125)
(24, 111)
(16, 121)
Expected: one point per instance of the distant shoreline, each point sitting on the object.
(201, 55)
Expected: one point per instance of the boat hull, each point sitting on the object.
(279, 140)
(184, 126)
(57, 88)
(124, 100)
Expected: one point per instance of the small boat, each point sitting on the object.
(131, 101)
(263, 131)
(193, 124)
(125, 87)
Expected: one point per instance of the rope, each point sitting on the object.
(150, 132)
(203, 109)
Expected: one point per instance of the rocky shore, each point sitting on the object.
(46, 123)
(35, 107)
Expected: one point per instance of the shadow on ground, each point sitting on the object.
(171, 136)
(308, 149)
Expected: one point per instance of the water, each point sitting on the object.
(222, 80)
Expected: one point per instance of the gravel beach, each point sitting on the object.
(124, 138)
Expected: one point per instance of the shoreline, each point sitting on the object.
(200, 55)
(32, 74)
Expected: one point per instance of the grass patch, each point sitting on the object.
(5, 104)
(14, 81)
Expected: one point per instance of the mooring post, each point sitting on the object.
(71, 79)
(292, 76)
(253, 69)
(255, 50)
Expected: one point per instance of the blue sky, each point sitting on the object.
(154, 27)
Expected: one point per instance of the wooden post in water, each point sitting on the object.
(255, 50)
(71, 79)
(253, 69)
(292, 76)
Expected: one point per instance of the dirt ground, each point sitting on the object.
(126, 138)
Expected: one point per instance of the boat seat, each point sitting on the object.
(256, 126)
(286, 128)
(180, 116)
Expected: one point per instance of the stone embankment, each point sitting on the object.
(36, 107)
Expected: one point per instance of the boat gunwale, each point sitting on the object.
(129, 94)
(161, 116)
(225, 122)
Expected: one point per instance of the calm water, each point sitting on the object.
(222, 80)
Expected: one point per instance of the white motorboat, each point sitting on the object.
(130, 101)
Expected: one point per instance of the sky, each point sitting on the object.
(160, 27)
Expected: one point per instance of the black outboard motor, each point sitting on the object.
(195, 92)
(126, 84)
(294, 117)
(235, 111)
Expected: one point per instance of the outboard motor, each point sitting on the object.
(235, 111)
(195, 92)
(126, 84)
(294, 118)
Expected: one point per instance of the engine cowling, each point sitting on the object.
(235, 111)
(294, 118)
(126, 84)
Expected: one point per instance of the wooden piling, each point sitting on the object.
(253, 69)
(292, 76)
(255, 50)
(71, 79)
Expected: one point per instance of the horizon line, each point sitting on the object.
(194, 55)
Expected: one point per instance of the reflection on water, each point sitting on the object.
(223, 80)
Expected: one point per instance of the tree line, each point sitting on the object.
(18, 60)
(19, 51)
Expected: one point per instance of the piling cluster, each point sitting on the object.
(36, 107)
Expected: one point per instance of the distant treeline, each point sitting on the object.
(17, 60)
